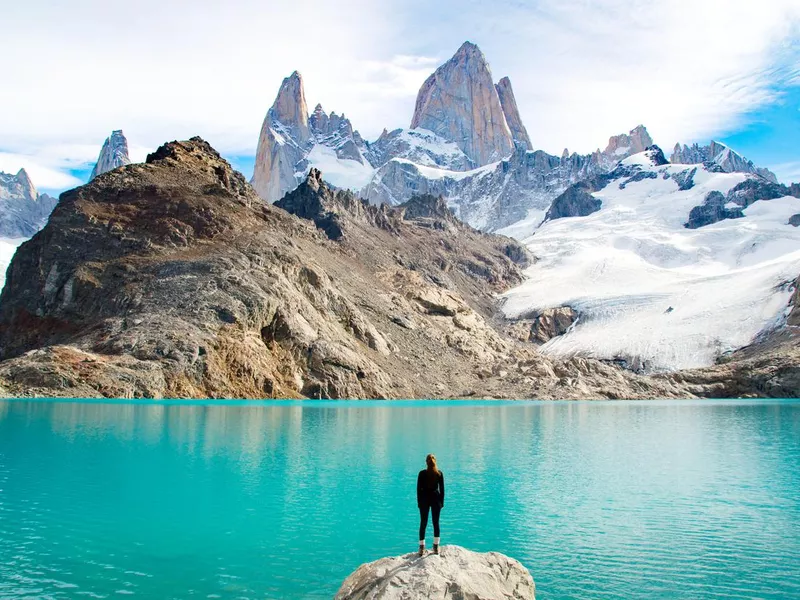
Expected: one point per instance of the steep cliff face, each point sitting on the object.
(720, 155)
(113, 154)
(23, 211)
(459, 103)
(282, 141)
(518, 132)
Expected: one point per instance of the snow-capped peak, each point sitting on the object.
(459, 102)
(721, 155)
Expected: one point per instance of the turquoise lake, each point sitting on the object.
(684, 499)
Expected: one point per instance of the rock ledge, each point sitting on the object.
(455, 573)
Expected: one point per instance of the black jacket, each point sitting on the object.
(430, 489)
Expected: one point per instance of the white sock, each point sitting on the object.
(436, 541)
(422, 543)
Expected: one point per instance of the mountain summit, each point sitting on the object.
(113, 154)
(291, 140)
(460, 103)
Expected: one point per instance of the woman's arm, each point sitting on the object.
(441, 487)
(419, 489)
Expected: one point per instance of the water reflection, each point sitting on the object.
(283, 500)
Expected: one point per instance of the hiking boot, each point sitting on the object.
(421, 550)
(436, 548)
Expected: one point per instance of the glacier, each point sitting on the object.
(652, 294)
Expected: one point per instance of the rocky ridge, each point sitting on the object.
(113, 154)
(720, 155)
(173, 278)
(455, 574)
(23, 210)
(498, 195)
(467, 142)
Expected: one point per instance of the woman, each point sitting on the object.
(430, 496)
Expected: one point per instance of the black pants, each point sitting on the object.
(435, 509)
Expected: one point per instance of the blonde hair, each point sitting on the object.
(430, 460)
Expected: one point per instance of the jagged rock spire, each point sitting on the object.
(289, 134)
(282, 141)
(25, 185)
(113, 154)
(290, 107)
(460, 103)
(511, 112)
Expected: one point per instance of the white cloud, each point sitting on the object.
(688, 70)
(43, 176)
(581, 69)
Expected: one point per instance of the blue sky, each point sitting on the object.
(771, 135)
(582, 70)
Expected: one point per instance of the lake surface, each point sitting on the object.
(283, 500)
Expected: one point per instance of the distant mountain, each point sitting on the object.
(23, 211)
(720, 155)
(467, 143)
(460, 103)
(291, 142)
(113, 154)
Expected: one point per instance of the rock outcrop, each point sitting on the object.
(720, 155)
(577, 200)
(518, 132)
(459, 103)
(455, 574)
(718, 206)
(23, 211)
(113, 154)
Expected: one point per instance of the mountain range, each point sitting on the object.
(173, 278)
(350, 268)
(466, 141)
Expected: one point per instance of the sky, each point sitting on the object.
(582, 70)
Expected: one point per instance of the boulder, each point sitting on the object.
(456, 573)
(552, 322)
